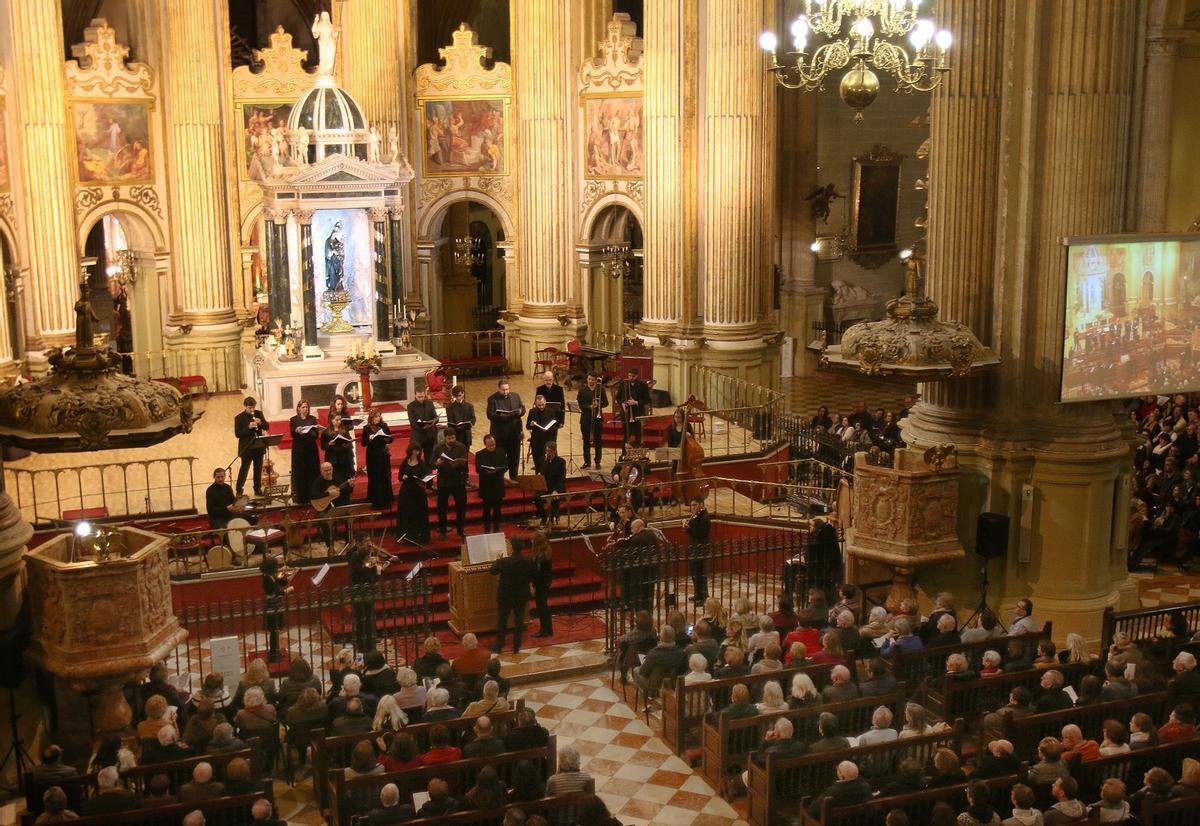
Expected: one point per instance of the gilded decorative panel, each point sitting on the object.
(610, 89)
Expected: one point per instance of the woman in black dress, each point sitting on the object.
(338, 444)
(542, 577)
(376, 439)
(306, 461)
(338, 407)
(412, 506)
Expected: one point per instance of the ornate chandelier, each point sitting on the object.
(859, 32)
(614, 260)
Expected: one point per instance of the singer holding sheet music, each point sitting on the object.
(376, 439)
(248, 426)
(543, 424)
(460, 416)
(451, 463)
(504, 411)
(339, 452)
(555, 397)
(306, 459)
(490, 464)
(412, 505)
(423, 425)
(554, 471)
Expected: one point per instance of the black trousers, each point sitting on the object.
(591, 430)
(364, 617)
(699, 580)
(491, 514)
(540, 507)
(541, 606)
(511, 445)
(537, 444)
(459, 491)
(517, 609)
(254, 455)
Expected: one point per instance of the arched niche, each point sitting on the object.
(612, 288)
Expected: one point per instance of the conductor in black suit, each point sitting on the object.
(248, 426)
(512, 597)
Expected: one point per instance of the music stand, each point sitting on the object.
(343, 511)
(532, 484)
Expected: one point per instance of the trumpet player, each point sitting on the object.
(592, 400)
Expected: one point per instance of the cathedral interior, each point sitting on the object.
(839, 318)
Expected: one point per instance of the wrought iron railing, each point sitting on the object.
(813, 443)
(136, 488)
(313, 624)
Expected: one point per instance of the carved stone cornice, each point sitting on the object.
(281, 71)
(464, 72)
(618, 66)
(99, 67)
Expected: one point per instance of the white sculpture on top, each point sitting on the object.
(326, 36)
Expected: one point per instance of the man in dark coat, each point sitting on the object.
(423, 424)
(847, 791)
(490, 464)
(504, 411)
(248, 426)
(512, 597)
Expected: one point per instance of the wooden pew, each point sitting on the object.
(330, 753)
(351, 796)
(1181, 812)
(729, 743)
(917, 805)
(972, 699)
(1025, 733)
(1131, 766)
(223, 811)
(548, 807)
(685, 706)
(1144, 623)
(778, 787)
(913, 666)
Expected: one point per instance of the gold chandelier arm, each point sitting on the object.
(921, 75)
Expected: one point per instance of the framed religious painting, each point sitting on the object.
(112, 141)
(874, 207)
(612, 133)
(262, 137)
(465, 136)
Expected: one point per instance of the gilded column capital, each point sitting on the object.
(305, 216)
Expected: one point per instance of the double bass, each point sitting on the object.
(688, 475)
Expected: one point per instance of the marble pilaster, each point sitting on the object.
(1154, 151)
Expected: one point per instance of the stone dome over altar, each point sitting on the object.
(332, 117)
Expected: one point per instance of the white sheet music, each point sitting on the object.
(320, 575)
(486, 547)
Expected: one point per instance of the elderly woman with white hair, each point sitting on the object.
(765, 635)
(697, 670)
(411, 694)
(804, 693)
(490, 703)
(257, 717)
(569, 778)
(772, 698)
(877, 625)
(437, 706)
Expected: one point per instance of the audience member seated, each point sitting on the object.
(1053, 697)
(816, 613)
(831, 652)
(1116, 739)
(167, 749)
(257, 717)
(110, 752)
(906, 779)
(238, 779)
(840, 688)
(1023, 621)
(1184, 687)
(200, 726)
(957, 668)
(1189, 780)
(202, 787)
(1180, 726)
(979, 807)
(526, 782)
(1017, 657)
(740, 703)
(1018, 706)
(991, 664)
(213, 688)
(256, 676)
(772, 699)
(1047, 656)
(1123, 651)
(1076, 651)
(829, 736)
(804, 694)
(880, 682)
(224, 740)
(1142, 732)
(440, 750)
(353, 719)
(847, 790)
(300, 676)
(488, 792)
(486, 743)
(569, 779)
(877, 624)
(308, 711)
(696, 669)
(343, 664)
(457, 687)
(491, 703)
(901, 639)
(1117, 687)
(664, 661)
(766, 635)
(194, 818)
(440, 803)
(909, 612)
(945, 632)
(1089, 690)
(51, 771)
(158, 683)
(401, 753)
(1067, 807)
(881, 730)
(705, 645)
(1075, 745)
(847, 634)
(742, 615)
(796, 655)
(378, 678)
(158, 715)
(111, 796)
(528, 733)
(987, 628)
(263, 812)
(779, 740)
(735, 637)
(785, 619)
(917, 722)
(351, 690)
(678, 621)
(494, 667)
(362, 760)
(998, 760)
(1157, 784)
(770, 660)
(636, 639)
(947, 771)
(158, 793)
(735, 664)
(1024, 812)
(388, 715)
(714, 615)
(438, 707)
(54, 807)
(1112, 807)
(847, 601)
(1050, 765)
(427, 664)
(473, 660)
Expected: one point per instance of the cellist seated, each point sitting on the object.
(630, 475)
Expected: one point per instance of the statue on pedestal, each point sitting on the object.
(326, 36)
(335, 259)
(85, 317)
(373, 141)
(393, 144)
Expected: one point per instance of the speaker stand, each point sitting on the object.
(982, 609)
(16, 751)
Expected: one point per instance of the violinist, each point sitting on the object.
(451, 464)
(490, 464)
(621, 525)
(276, 582)
(360, 559)
(542, 423)
(554, 471)
(376, 439)
(306, 461)
(412, 504)
(338, 445)
(698, 528)
(592, 400)
(633, 398)
(423, 425)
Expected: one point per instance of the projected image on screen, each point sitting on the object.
(1132, 319)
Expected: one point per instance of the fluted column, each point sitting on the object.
(735, 215)
(371, 50)
(669, 62)
(1158, 86)
(46, 154)
(196, 51)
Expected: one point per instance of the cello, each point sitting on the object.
(688, 472)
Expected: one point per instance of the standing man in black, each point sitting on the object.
(504, 411)
(639, 557)
(422, 424)
(555, 397)
(633, 395)
(217, 499)
(490, 464)
(543, 424)
(363, 577)
(512, 597)
(592, 400)
(451, 464)
(248, 426)
(554, 471)
(699, 529)
(460, 416)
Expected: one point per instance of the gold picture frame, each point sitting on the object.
(599, 112)
(463, 140)
(119, 153)
(278, 107)
(874, 207)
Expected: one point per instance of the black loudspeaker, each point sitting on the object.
(991, 535)
(12, 665)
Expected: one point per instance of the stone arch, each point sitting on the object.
(250, 222)
(587, 230)
(145, 231)
(431, 218)
(10, 243)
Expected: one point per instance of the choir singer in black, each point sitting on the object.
(490, 464)
(555, 397)
(504, 411)
(592, 400)
(248, 426)
(376, 439)
(339, 452)
(306, 459)
(423, 424)
(451, 464)
(543, 424)
(460, 416)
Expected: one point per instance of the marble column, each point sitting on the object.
(304, 217)
(1158, 88)
(46, 153)
(278, 272)
(196, 78)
